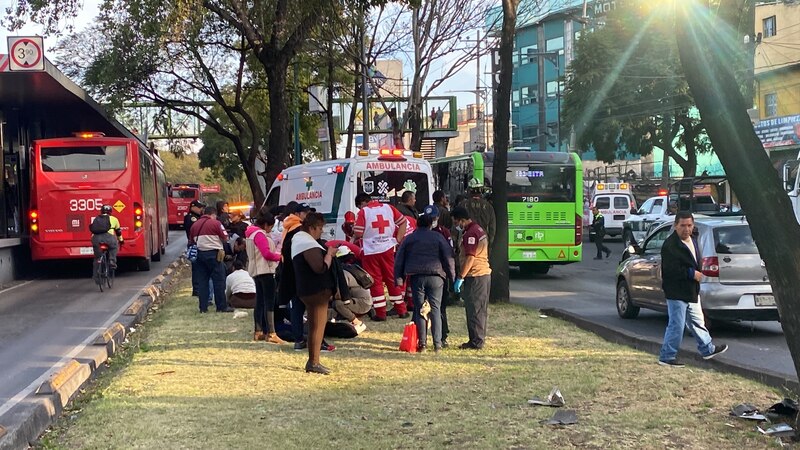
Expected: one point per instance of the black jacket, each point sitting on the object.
(287, 289)
(677, 270)
(189, 220)
(424, 252)
(599, 225)
(407, 211)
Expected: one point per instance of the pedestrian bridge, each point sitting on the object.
(439, 123)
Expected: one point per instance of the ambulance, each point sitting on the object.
(615, 202)
(331, 186)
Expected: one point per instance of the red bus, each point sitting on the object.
(72, 178)
(178, 200)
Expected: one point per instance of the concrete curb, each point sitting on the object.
(24, 423)
(649, 345)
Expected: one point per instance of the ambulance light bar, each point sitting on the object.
(336, 169)
(88, 134)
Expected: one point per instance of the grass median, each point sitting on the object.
(199, 381)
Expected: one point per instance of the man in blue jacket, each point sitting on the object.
(427, 258)
(680, 274)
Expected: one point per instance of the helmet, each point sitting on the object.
(106, 209)
(475, 183)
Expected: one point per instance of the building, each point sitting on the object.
(544, 47)
(475, 133)
(776, 64)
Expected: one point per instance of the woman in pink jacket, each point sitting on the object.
(263, 257)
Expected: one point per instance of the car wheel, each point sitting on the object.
(625, 308)
(627, 238)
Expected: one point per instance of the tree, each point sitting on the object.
(502, 120)
(626, 91)
(705, 43)
(190, 62)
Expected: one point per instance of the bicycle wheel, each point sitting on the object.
(110, 274)
(100, 276)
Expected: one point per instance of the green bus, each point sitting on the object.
(545, 202)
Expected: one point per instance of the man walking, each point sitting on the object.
(209, 235)
(426, 259)
(680, 274)
(599, 228)
(474, 277)
(381, 227)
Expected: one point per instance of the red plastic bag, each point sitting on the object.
(409, 341)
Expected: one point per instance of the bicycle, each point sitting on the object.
(104, 274)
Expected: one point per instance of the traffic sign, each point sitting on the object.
(25, 53)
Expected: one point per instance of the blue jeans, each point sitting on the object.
(677, 310)
(208, 269)
(432, 287)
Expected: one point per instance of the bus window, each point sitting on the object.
(184, 193)
(388, 186)
(84, 159)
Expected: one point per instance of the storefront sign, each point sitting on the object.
(779, 131)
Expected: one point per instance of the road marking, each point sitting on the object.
(11, 288)
(72, 353)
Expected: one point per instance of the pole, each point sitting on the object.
(298, 156)
(478, 115)
(364, 81)
(558, 98)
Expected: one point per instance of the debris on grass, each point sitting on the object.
(554, 399)
(748, 412)
(562, 417)
(779, 430)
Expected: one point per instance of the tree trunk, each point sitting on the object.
(278, 114)
(329, 110)
(752, 177)
(499, 254)
(415, 124)
(351, 125)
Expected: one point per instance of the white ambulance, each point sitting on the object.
(615, 202)
(331, 186)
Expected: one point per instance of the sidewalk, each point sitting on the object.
(198, 381)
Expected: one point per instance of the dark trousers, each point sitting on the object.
(208, 268)
(111, 241)
(297, 311)
(476, 305)
(598, 241)
(265, 302)
(195, 279)
(430, 287)
(317, 305)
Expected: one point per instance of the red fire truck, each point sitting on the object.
(72, 178)
(181, 195)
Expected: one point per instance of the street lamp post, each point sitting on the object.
(553, 57)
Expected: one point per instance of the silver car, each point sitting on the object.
(735, 285)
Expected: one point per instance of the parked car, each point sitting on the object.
(735, 285)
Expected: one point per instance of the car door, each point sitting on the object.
(651, 266)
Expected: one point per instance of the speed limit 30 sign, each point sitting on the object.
(25, 53)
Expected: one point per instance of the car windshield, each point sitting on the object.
(734, 240)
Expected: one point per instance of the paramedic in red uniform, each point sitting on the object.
(380, 226)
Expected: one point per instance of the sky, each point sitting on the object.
(463, 80)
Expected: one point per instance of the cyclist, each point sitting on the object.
(105, 230)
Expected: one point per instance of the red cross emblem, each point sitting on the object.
(380, 224)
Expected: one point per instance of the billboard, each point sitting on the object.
(779, 131)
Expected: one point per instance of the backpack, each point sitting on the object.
(101, 224)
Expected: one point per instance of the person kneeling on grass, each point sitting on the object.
(360, 301)
(240, 289)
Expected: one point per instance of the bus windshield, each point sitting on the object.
(388, 186)
(84, 159)
(183, 193)
(541, 183)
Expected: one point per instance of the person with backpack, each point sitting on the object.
(106, 230)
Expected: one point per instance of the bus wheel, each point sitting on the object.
(143, 265)
(156, 256)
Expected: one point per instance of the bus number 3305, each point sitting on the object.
(91, 204)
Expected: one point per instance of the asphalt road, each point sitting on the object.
(46, 321)
(588, 289)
